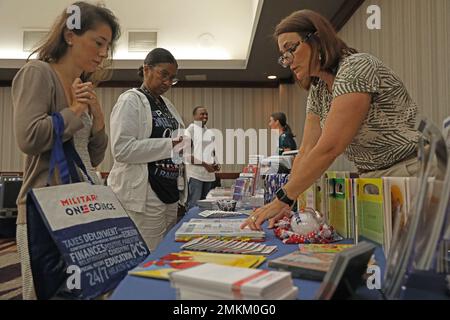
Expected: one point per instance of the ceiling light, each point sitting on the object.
(272, 77)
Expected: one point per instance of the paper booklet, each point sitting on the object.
(312, 266)
(161, 268)
(253, 170)
(339, 209)
(234, 282)
(242, 186)
(341, 205)
(345, 273)
(228, 246)
(395, 207)
(220, 214)
(434, 219)
(415, 245)
(217, 228)
(323, 248)
(195, 294)
(370, 209)
(208, 204)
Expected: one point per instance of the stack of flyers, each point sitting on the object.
(220, 214)
(228, 246)
(217, 228)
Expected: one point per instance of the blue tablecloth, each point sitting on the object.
(139, 288)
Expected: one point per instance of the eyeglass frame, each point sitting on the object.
(165, 78)
(289, 53)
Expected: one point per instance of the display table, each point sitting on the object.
(139, 288)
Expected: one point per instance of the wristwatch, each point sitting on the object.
(282, 196)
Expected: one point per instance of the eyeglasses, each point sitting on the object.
(288, 57)
(165, 76)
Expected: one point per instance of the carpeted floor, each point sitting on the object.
(10, 279)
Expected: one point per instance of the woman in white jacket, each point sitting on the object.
(144, 177)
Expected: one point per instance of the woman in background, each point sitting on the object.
(278, 122)
(143, 176)
(54, 83)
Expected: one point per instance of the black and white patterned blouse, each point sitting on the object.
(388, 134)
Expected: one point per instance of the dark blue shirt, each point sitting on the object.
(286, 141)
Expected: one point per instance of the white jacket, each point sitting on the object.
(132, 149)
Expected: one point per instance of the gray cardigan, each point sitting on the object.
(36, 93)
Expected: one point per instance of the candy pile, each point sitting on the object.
(323, 235)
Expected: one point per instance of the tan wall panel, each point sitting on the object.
(414, 41)
(229, 108)
(10, 156)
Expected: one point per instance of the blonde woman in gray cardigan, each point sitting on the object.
(52, 83)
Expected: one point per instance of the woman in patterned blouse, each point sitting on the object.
(356, 106)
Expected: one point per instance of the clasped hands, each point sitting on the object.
(84, 97)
